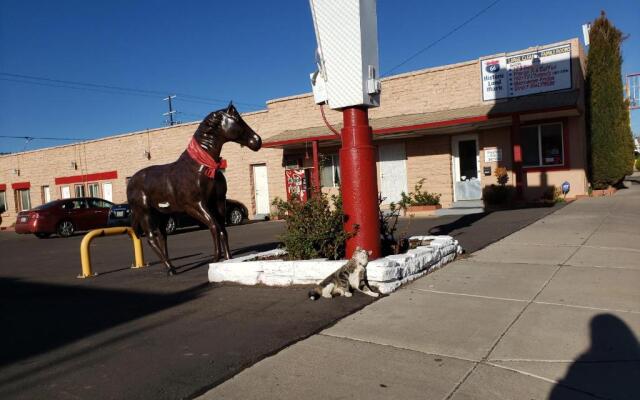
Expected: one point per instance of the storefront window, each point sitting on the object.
(94, 190)
(330, 171)
(3, 201)
(23, 200)
(65, 193)
(46, 194)
(79, 189)
(542, 145)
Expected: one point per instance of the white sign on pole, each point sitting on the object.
(522, 74)
(492, 154)
(347, 57)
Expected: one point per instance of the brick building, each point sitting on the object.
(451, 125)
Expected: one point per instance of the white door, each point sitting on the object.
(393, 171)
(65, 192)
(261, 189)
(466, 168)
(107, 191)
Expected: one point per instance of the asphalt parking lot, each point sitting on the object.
(139, 334)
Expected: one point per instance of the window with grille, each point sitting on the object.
(330, 171)
(542, 145)
(23, 199)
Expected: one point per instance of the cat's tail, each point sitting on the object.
(315, 293)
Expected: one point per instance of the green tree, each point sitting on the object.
(611, 145)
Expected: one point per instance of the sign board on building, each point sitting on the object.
(539, 71)
(296, 183)
(492, 154)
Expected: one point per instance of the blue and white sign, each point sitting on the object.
(539, 71)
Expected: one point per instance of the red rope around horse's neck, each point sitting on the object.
(199, 155)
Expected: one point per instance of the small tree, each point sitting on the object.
(611, 145)
(314, 228)
(418, 197)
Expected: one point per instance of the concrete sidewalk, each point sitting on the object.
(550, 312)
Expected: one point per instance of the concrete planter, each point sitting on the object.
(610, 191)
(384, 274)
(422, 210)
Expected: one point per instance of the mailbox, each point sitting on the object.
(347, 54)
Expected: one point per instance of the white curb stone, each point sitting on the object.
(385, 274)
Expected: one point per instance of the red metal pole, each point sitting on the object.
(315, 176)
(359, 181)
(517, 155)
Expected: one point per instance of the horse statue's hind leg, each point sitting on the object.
(156, 237)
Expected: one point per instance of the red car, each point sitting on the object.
(64, 217)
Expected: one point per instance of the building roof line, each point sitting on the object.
(437, 68)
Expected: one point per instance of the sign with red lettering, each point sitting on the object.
(296, 182)
(539, 71)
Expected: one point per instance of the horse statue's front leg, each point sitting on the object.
(206, 217)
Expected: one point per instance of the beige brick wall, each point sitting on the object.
(429, 157)
(429, 90)
(499, 138)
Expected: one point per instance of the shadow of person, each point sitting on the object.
(610, 368)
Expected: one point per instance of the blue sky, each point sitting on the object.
(248, 51)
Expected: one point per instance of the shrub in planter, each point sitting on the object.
(499, 195)
(314, 228)
(389, 244)
(501, 175)
(418, 197)
(552, 195)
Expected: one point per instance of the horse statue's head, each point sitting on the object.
(226, 125)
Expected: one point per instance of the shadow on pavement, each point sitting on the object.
(464, 221)
(36, 317)
(610, 367)
(255, 248)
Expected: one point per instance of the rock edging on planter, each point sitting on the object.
(385, 274)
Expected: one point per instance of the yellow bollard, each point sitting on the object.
(85, 256)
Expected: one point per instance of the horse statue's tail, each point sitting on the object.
(135, 225)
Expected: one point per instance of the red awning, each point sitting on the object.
(98, 176)
(3, 186)
(20, 185)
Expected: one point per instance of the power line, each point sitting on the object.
(451, 32)
(29, 138)
(74, 87)
(113, 89)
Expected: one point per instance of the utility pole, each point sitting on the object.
(171, 121)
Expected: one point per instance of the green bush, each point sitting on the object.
(638, 163)
(418, 197)
(610, 141)
(314, 229)
(552, 194)
(499, 195)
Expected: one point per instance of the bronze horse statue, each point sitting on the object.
(193, 184)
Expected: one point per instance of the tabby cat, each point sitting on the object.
(349, 276)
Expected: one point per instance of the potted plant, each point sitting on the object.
(418, 200)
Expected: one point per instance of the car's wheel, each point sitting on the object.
(66, 228)
(171, 226)
(42, 235)
(235, 216)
